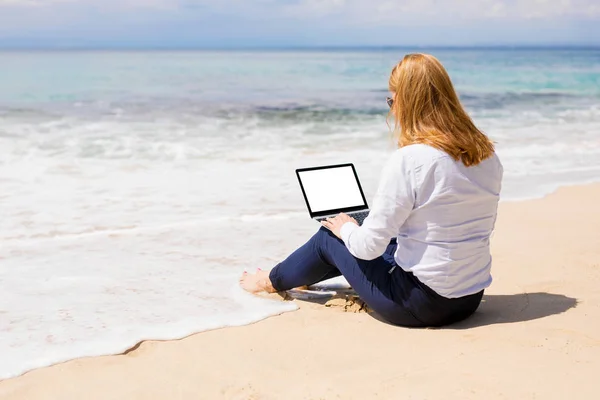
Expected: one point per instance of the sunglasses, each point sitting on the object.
(389, 101)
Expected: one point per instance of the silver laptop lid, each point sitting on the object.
(331, 189)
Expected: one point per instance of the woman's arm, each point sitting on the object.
(392, 204)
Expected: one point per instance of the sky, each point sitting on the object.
(297, 23)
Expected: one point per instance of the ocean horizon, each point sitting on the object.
(138, 184)
(5, 47)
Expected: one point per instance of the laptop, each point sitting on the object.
(332, 189)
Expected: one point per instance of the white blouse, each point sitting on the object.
(442, 214)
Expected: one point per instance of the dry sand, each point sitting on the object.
(537, 335)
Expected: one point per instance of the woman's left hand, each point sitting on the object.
(335, 224)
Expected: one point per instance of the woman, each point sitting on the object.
(437, 197)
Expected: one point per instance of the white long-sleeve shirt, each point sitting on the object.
(442, 214)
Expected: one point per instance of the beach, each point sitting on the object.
(535, 336)
(138, 185)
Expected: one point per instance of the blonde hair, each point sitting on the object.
(427, 110)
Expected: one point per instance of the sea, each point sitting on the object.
(136, 186)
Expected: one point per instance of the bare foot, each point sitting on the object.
(256, 283)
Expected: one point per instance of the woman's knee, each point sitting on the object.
(326, 234)
(325, 244)
(322, 230)
(320, 237)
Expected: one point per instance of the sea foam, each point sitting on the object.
(89, 296)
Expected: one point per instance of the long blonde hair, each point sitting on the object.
(427, 110)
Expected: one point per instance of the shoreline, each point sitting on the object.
(550, 192)
(538, 317)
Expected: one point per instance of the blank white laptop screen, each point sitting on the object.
(331, 188)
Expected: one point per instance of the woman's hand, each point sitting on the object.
(335, 224)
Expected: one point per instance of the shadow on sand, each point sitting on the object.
(494, 309)
(509, 308)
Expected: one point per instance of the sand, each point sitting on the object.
(535, 336)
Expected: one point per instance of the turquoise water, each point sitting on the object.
(138, 185)
(536, 104)
(349, 81)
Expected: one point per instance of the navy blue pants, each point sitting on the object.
(398, 297)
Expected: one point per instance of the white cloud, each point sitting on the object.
(357, 10)
(352, 19)
(450, 10)
(31, 2)
(106, 3)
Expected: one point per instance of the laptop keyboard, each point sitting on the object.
(358, 216)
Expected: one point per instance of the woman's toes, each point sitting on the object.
(258, 282)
